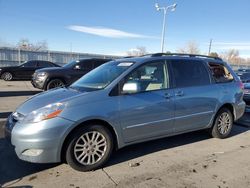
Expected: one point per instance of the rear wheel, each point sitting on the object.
(7, 76)
(223, 124)
(54, 84)
(89, 148)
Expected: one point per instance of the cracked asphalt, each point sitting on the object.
(189, 160)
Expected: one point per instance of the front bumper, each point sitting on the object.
(46, 136)
(38, 83)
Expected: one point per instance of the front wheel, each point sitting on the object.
(54, 84)
(223, 124)
(89, 148)
(7, 76)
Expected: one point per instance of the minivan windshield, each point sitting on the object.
(102, 76)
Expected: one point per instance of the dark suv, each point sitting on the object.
(49, 78)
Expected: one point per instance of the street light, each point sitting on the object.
(165, 9)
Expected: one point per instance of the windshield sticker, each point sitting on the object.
(125, 64)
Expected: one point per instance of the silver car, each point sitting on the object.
(124, 102)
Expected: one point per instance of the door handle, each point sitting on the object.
(179, 93)
(168, 95)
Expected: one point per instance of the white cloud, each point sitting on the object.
(107, 32)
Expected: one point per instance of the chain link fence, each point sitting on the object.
(14, 56)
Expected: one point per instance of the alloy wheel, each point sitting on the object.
(55, 83)
(7, 76)
(90, 148)
(224, 123)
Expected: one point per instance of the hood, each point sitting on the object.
(49, 97)
(51, 69)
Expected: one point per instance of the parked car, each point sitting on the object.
(49, 78)
(25, 70)
(124, 102)
(246, 97)
(240, 72)
(245, 119)
(244, 76)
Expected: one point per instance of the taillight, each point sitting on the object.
(241, 85)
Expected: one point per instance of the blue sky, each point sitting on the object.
(116, 26)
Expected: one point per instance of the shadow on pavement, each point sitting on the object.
(17, 93)
(12, 168)
(138, 150)
(4, 115)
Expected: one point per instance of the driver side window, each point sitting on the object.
(149, 77)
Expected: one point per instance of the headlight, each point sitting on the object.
(41, 75)
(47, 112)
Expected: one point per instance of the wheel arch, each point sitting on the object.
(87, 123)
(230, 107)
(54, 78)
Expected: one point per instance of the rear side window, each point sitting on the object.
(189, 73)
(220, 73)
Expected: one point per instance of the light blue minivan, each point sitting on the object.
(123, 102)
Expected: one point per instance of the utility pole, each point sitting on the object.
(210, 46)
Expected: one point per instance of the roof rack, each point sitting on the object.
(182, 54)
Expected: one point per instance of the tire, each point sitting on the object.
(223, 124)
(54, 83)
(7, 76)
(89, 156)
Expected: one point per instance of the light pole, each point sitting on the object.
(165, 9)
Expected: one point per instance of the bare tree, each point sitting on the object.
(232, 56)
(138, 51)
(25, 44)
(214, 54)
(191, 48)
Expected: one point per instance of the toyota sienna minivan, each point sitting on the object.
(124, 102)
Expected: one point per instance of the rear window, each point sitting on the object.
(45, 64)
(220, 73)
(189, 73)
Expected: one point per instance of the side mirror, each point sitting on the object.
(129, 88)
(77, 67)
